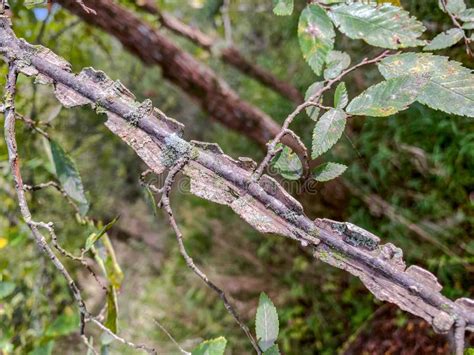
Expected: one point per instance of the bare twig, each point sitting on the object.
(10, 90)
(163, 329)
(10, 137)
(311, 101)
(454, 19)
(165, 203)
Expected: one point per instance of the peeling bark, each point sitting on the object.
(219, 178)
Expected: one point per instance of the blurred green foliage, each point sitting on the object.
(420, 162)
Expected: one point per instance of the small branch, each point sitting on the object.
(10, 137)
(163, 329)
(165, 203)
(10, 91)
(312, 101)
(145, 348)
(467, 40)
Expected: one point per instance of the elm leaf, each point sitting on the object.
(445, 39)
(385, 26)
(336, 62)
(313, 111)
(449, 86)
(328, 171)
(387, 97)
(327, 131)
(341, 98)
(266, 322)
(316, 36)
(288, 164)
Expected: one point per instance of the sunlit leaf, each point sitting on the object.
(393, 2)
(385, 26)
(266, 322)
(328, 171)
(327, 131)
(341, 98)
(211, 347)
(387, 97)
(69, 176)
(316, 36)
(468, 26)
(445, 39)
(283, 7)
(467, 15)
(336, 62)
(449, 86)
(453, 6)
(288, 164)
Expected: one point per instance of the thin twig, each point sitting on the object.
(467, 40)
(163, 329)
(311, 101)
(10, 137)
(165, 203)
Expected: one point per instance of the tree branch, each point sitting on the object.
(197, 80)
(218, 178)
(165, 203)
(229, 54)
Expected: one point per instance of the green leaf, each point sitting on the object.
(469, 351)
(327, 131)
(69, 176)
(63, 325)
(288, 164)
(453, 6)
(467, 15)
(313, 111)
(273, 350)
(283, 7)
(468, 26)
(336, 62)
(445, 39)
(266, 323)
(113, 270)
(385, 26)
(341, 98)
(6, 289)
(387, 97)
(449, 87)
(211, 347)
(316, 36)
(112, 310)
(328, 171)
(34, 3)
(94, 237)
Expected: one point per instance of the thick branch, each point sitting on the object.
(229, 54)
(197, 80)
(263, 204)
